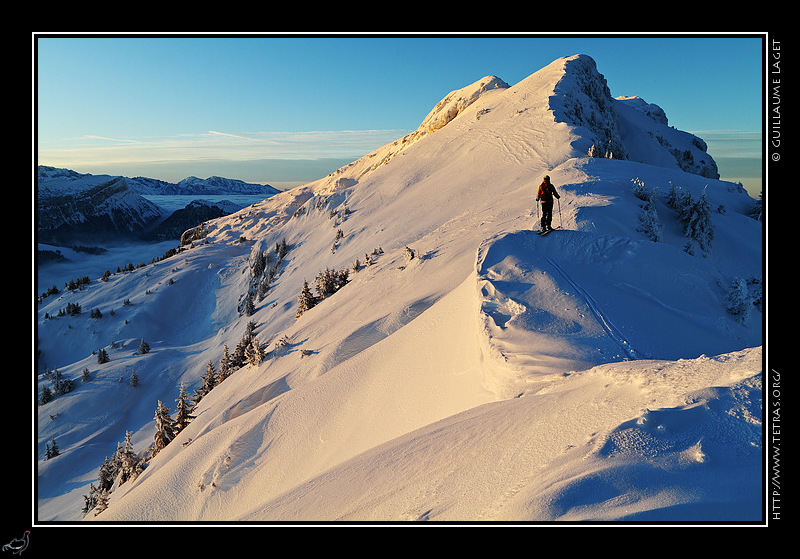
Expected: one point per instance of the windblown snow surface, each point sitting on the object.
(589, 375)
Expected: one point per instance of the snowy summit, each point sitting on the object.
(395, 342)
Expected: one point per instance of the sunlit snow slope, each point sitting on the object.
(496, 375)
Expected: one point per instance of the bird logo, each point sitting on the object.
(18, 545)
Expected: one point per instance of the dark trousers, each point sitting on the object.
(547, 215)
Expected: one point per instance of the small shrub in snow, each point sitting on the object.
(639, 189)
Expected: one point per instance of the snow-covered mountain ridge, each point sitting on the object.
(84, 207)
(61, 181)
(592, 374)
(91, 208)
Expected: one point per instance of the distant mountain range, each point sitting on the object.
(73, 206)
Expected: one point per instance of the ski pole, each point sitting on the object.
(560, 220)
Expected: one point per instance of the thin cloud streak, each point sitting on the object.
(217, 145)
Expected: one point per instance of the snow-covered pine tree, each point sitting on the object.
(263, 287)
(672, 196)
(127, 460)
(249, 305)
(106, 474)
(326, 283)
(698, 225)
(51, 450)
(224, 364)
(102, 356)
(183, 410)
(209, 382)
(649, 223)
(237, 359)
(90, 500)
(639, 189)
(144, 347)
(739, 301)
(101, 503)
(755, 288)
(305, 300)
(281, 249)
(165, 428)
(61, 385)
(254, 352)
(683, 206)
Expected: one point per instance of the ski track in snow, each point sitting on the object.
(613, 332)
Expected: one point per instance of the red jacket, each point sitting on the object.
(546, 193)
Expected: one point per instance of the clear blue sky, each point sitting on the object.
(277, 110)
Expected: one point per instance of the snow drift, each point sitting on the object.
(469, 369)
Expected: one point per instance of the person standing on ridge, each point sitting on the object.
(545, 196)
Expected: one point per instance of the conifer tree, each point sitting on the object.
(183, 410)
(649, 224)
(101, 503)
(739, 301)
(105, 475)
(224, 364)
(238, 358)
(209, 379)
(683, 205)
(209, 382)
(102, 356)
(165, 428)
(282, 248)
(249, 306)
(51, 450)
(672, 196)
(61, 385)
(90, 500)
(698, 225)
(305, 301)
(254, 352)
(127, 460)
